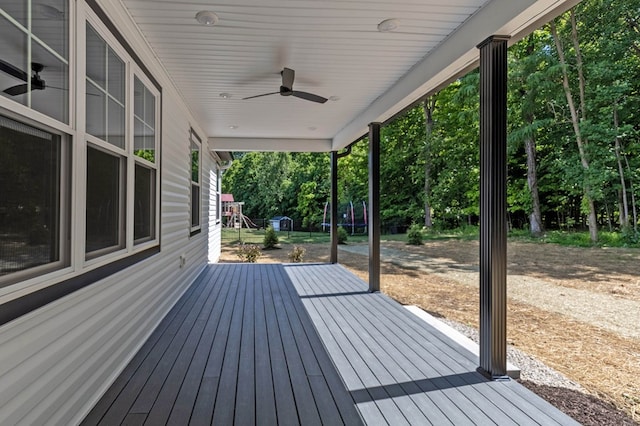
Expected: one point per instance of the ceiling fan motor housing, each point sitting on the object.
(285, 91)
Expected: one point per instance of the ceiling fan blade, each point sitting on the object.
(309, 96)
(287, 77)
(20, 89)
(259, 96)
(13, 70)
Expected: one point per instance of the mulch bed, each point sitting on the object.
(584, 408)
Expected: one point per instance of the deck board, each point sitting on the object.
(305, 344)
(411, 362)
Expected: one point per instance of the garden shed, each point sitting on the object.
(281, 223)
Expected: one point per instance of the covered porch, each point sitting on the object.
(305, 344)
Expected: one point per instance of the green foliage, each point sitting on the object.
(147, 154)
(414, 235)
(270, 238)
(342, 235)
(297, 184)
(296, 255)
(249, 252)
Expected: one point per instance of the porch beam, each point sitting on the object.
(270, 144)
(334, 207)
(493, 206)
(374, 207)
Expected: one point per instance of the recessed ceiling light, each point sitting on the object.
(233, 127)
(225, 95)
(388, 25)
(207, 17)
(334, 98)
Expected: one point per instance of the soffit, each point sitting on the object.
(335, 49)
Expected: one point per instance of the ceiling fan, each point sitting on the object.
(37, 83)
(286, 89)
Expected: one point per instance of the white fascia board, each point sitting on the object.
(454, 57)
(269, 144)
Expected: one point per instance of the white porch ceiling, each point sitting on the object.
(335, 49)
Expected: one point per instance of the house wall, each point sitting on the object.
(56, 361)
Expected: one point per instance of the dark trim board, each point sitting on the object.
(23, 305)
(305, 344)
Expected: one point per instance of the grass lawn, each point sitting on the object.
(467, 233)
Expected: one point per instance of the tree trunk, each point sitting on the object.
(535, 217)
(429, 105)
(624, 212)
(575, 121)
(633, 197)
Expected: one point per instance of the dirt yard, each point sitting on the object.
(575, 309)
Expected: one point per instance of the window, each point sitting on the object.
(121, 151)
(144, 149)
(105, 91)
(195, 143)
(34, 65)
(144, 205)
(218, 194)
(33, 172)
(105, 201)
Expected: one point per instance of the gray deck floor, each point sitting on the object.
(305, 344)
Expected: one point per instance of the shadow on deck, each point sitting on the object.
(305, 344)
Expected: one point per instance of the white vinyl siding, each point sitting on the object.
(56, 361)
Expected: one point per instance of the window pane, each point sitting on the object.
(144, 143)
(144, 210)
(96, 113)
(116, 77)
(17, 9)
(149, 108)
(115, 131)
(195, 205)
(53, 100)
(138, 98)
(195, 162)
(50, 22)
(144, 122)
(96, 58)
(13, 60)
(103, 200)
(30, 203)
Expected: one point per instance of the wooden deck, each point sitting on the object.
(305, 344)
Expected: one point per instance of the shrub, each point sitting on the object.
(414, 235)
(342, 235)
(270, 238)
(249, 252)
(297, 254)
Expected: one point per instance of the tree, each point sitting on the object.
(578, 112)
(428, 106)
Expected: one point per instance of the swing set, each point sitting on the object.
(350, 219)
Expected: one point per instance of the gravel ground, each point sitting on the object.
(556, 388)
(531, 369)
